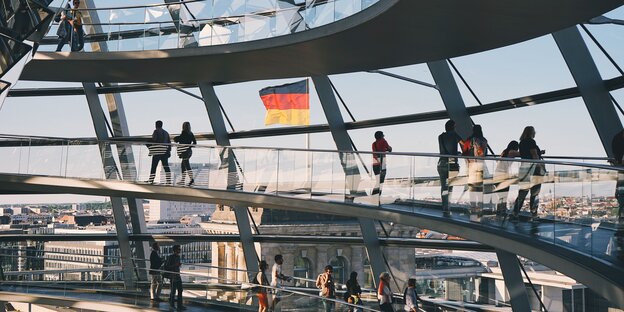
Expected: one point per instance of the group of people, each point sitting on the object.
(168, 268)
(327, 289)
(160, 150)
(70, 27)
(476, 145)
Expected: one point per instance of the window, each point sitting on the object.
(303, 269)
(340, 269)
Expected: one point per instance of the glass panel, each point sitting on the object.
(346, 8)
(228, 8)
(319, 13)
(257, 27)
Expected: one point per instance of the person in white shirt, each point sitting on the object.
(277, 278)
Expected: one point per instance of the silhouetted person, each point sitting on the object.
(173, 264)
(325, 282)
(160, 150)
(379, 160)
(77, 43)
(448, 167)
(64, 31)
(502, 178)
(617, 245)
(529, 174)
(476, 146)
(185, 151)
(261, 279)
(354, 291)
(156, 262)
(617, 147)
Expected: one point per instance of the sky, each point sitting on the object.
(534, 66)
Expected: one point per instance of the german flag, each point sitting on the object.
(287, 104)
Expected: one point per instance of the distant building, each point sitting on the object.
(171, 211)
(84, 220)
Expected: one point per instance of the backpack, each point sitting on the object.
(346, 296)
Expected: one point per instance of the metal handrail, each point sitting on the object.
(416, 154)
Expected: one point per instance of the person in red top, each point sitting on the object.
(379, 160)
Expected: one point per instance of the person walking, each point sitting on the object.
(475, 146)
(384, 293)
(502, 178)
(160, 150)
(277, 279)
(529, 174)
(156, 262)
(354, 291)
(379, 160)
(325, 282)
(261, 279)
(173, 267)
(448, 167)
(185, 151)
(64, 31)
(77, 39)
(411, 297)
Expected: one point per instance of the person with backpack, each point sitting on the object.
(448, 167)
(156, 262)
(325, 282)
(261, 293)
(379, 160)
(172, 268)
(352, 295)
(64, 31)
(410, 296)
(475, 146)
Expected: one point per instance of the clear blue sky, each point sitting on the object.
(563, 128)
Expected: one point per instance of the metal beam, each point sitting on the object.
(513, 281)
(211, 101)
(451, 97)
(99, 123)
(590, 84)
(343, 143)
(126, 158)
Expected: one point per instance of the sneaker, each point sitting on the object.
(192, 182)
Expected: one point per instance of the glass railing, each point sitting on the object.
(573, 204)
(198, 23)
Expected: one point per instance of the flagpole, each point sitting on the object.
(307, 146)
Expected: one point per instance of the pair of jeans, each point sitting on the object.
(164, 159)
(329, 305)
(176, 286)
(77, 43)
(156, 286)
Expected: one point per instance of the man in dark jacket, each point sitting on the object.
(173, 264)
(160, 150)
(156, 262)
